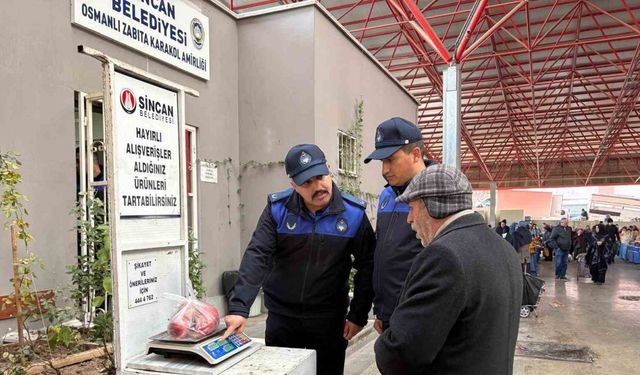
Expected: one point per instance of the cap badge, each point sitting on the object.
(378, 136)
(304, 158)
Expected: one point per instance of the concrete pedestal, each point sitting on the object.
(257, 360)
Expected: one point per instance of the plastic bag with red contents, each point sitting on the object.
(193, 320)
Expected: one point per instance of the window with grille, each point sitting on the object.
(347, 155)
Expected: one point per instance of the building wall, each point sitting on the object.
(276, 103)
(556, 205)
(37, 121)
(534, 204)
(215, 114)
(304, 88)
(344, 74)
(511, 216)
(43, 69)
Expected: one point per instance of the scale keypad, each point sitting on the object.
(239, 339)
(222, 348)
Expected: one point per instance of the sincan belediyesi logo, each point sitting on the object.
(128, 101)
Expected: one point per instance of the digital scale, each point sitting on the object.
(210, 348)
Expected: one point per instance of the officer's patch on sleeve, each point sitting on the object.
(274, 197)
(355, 200)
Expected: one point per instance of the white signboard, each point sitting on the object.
(168, 30)
(142, 281)
(208, 172)
(146, 122)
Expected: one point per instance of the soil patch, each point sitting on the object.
(42, 353)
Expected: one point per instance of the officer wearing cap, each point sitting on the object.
(301, 254)
(399, 146)
(459, 309)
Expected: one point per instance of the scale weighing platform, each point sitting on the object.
(210, 348)
(189, 356)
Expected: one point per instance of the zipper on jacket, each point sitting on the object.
(306, 271)
(392, 225)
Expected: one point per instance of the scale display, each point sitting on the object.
(218, 349)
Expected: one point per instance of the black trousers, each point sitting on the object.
(324, 335)
(598, 273)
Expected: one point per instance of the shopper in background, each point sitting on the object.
(521, 240)
(584, 215)
(580, 243)
(535, 231)
(546, 239)
(598, 253)
(560, 241)
(614, 238)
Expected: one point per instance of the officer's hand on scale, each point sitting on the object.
(235, 324)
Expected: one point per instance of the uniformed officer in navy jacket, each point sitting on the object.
(399, 146)
(306, 241)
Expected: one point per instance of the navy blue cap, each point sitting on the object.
(391, 135)
(305, 161)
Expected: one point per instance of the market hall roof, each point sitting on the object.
(549, 87)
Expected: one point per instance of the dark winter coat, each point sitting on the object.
(546, 238)
(580, 242)
(597, 254)
(614, 234)
(505, 233)
(459, 308)
(588, 236)
(561, 238)
(500, 230)
(521, 237)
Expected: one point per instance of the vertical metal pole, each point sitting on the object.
(110, 135)
(194, 184)
(90, 195)
(492, 205)
(89, 159)
(82, 150)
(183, 190)
(451, 119)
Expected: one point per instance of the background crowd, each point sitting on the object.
(595, 246)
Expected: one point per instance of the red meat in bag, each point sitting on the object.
(193, 320)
